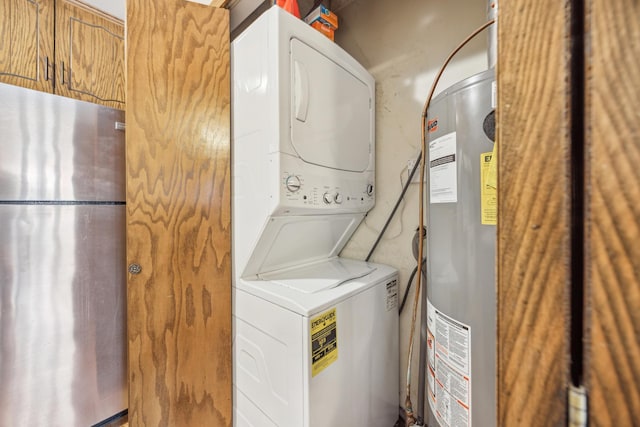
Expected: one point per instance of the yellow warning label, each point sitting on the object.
(488, 190)
(492, 173)
(324, 341)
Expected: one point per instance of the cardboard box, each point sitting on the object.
(324, 16)
(325, 29)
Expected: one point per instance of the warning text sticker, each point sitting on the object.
(324, 341)
(449, 368)
(392, 295)
(443, 179)
(488, 191)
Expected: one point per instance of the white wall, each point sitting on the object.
(403, 43)
(112, 7)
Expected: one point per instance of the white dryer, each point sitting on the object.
(315, 335)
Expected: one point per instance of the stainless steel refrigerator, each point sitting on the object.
(62, 261)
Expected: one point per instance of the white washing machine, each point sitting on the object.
(315, 335)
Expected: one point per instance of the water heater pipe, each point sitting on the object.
(492, 42)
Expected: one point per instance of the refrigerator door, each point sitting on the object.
(62, 261)
(62, 311)
(56, 148)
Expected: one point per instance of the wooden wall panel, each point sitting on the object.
(178, 214)
(533, 213)
(613, 213)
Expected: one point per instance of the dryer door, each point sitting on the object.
(331, 112)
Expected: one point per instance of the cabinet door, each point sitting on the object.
(178, 214)
(26, 43)
(612, 228)
(89, 55)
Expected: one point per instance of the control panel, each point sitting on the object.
(336, 193)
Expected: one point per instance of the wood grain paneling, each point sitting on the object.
(534, 213)
(178, 214)
(26, 41)
(90, 53)
(613, 213)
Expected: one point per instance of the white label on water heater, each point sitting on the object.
(448, 368)
(443, 180)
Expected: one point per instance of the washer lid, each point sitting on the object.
(331, 112)
(287, 242)
(307, 304)
(320, 276)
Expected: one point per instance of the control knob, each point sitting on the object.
(292, 183)
(327, 198)
(338, 198)
(369, 189)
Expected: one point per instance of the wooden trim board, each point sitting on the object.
(533, 213)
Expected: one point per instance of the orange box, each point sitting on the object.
(325, 29)
(323, 15)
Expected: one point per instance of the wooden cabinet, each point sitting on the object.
(88, 45)
(26, 43)
(89, 55)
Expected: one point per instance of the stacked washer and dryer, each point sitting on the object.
(315, 335)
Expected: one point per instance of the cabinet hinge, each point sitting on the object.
(578, 411)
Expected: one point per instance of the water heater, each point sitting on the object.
(460, 325)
